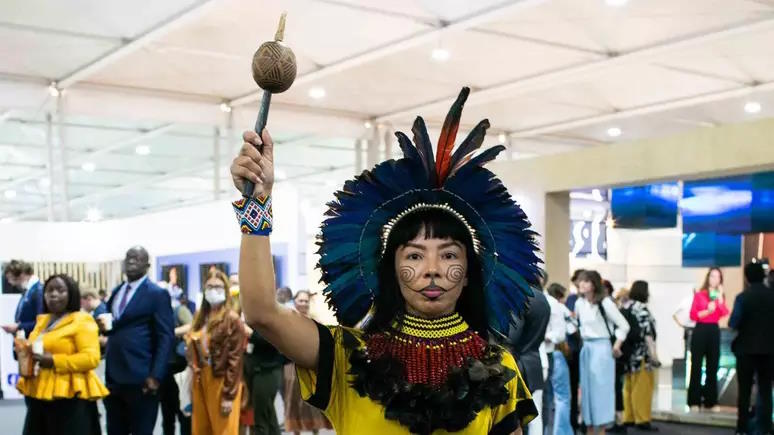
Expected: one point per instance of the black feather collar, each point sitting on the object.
(452, 406)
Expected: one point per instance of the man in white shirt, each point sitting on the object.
(682, 316)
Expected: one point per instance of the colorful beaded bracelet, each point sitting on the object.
(254, 215)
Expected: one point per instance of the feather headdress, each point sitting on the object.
(359, 220)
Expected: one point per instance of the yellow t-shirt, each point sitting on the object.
(328, 388)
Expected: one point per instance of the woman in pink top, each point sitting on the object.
(709, 306)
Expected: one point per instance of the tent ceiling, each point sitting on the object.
(553, 75)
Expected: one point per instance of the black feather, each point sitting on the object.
(471, 143)
(425, 148)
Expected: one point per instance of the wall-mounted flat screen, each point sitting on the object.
(711, 249)
(645, 207)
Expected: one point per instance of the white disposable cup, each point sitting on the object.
(107, 320)
(37, 347)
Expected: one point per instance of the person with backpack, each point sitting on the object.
(640, 359)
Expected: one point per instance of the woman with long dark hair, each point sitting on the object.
(440, 255)
(603, 329)
(62, 397)
(215, 348)
(708, 307)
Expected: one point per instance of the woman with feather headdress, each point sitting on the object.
(436, 255)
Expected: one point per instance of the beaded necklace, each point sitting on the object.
(428, 348)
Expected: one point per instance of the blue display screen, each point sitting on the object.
(643, 207)
(711, 249)
(722, 205)
(762, 214)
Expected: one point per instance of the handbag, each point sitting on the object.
(184, 384)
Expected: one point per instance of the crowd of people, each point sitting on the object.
(433, 275)
(155, 346)
(607, 339)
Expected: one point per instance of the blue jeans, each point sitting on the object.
(560, 383)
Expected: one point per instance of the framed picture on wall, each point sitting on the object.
(206, 268)
(176, 277)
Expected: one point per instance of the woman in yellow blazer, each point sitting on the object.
(62, 396)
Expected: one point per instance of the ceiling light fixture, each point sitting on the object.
(88, 167)
(317, 93)
(614, 132)
(142, 150)
(440, 54)
(752, 107)
(224, 107)
(502, 137)
(367, 124)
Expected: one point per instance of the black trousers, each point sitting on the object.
(61, 417)
(130, 411)
(705, 345)
(264, 385)
(169, 398)
(620, 372)
(574, 365)
(761, 366)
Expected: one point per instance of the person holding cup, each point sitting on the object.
(62, 395)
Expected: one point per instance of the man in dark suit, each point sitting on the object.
(20, 274)
(138, 348)
(524, 340)
(753, 320)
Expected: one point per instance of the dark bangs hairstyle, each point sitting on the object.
(599, 291)
(73, 293)
(437, 224)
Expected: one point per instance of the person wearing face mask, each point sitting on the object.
(215, 347)
(62, 396)
(299, 415)
(436, 254)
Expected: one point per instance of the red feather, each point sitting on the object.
(448, 135)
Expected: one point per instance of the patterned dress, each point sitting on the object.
(640, 354)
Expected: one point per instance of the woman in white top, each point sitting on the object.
(603, 330)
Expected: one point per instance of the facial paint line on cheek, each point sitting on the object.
(407, 274)
(455, 273)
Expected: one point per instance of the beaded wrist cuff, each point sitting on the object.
(254, 215)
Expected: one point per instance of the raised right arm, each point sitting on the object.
(294, 335)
